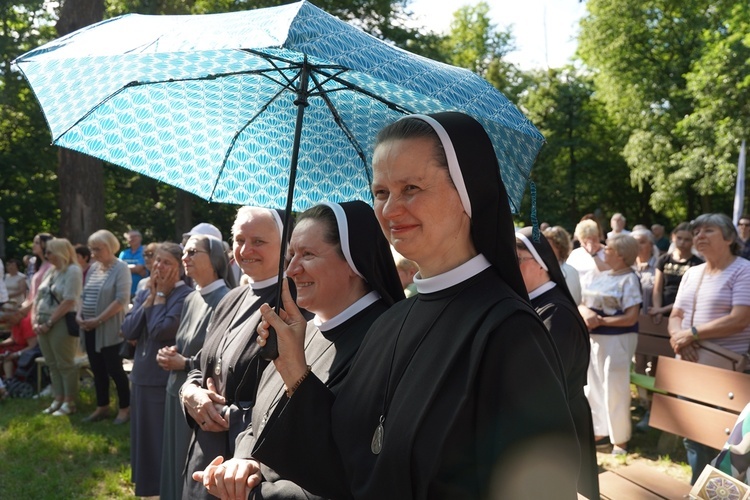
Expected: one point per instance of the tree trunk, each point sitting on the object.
(81, 176)
(183, 213)
(81, 195)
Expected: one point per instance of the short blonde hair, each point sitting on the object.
(63, 249)
(626, 247)
(106, 238)
(587, 229)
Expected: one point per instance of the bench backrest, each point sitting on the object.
(711, 399)
(653, 339)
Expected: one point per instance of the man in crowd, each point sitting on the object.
(133, 257)
(743, 229)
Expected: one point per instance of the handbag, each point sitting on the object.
(127, 350)
(70, 319)
(711, 353)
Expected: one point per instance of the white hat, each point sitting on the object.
(204, 228)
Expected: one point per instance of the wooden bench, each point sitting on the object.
(653, 341)
(695, 401)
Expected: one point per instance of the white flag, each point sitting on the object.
(739, 192)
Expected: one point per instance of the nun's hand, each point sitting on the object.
(233, 479)
(290, 333)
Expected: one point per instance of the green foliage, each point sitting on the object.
(579, 170)
(28, 187)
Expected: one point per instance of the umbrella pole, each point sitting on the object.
(270, 350)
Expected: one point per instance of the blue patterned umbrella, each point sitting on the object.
(226, 106)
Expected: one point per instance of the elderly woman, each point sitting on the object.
(712, 303)
(213, 395)
(610, 307)
(339, 249)
(559, 240)
(206, 264)
(590, 255)
(59, 294)
(152, 324)
(554, 303)
(433, 405)
(106, 296)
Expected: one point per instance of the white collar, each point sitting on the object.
(470, 268)
(205, 290)
(257, 285)
(542, 289)
(361, 304)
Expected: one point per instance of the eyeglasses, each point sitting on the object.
(191, 252)
(148, 254)
(521, 260)
(743, 224)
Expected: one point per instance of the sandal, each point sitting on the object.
(65, 409)
(53, 407)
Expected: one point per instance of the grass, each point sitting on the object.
(46, 457)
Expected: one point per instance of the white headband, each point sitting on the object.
(450, 154)
(338, 211)
(530, 247)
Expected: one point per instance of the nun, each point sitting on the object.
(345, 275)
(550, 296)
(456, 392)
(222, 378)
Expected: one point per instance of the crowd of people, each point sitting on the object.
(400, 369)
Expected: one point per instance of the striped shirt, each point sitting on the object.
(717, 294)
(94, 282)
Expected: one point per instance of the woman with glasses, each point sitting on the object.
(148, 256)
(106, 295)
(206, 263)
(152, 324)
(59, 294)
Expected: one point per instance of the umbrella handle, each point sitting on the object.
(270, 350)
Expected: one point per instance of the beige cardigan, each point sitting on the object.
(115, 288)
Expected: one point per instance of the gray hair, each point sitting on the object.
(724, 223)
(626, 247)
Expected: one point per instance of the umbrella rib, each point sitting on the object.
(236, 136)
(349, 135)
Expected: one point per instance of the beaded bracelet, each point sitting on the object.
(289, 392)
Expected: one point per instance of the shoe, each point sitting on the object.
(64, 410)
(96, 417)
(643, 426)
(602, 441)
(121, 420)
(53, 407)
(616, 450)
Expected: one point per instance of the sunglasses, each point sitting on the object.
(191, 253)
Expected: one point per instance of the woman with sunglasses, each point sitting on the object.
(152, 324)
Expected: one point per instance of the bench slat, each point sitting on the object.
(656, 482)
(704, 424)
(615, 487)
(707, 384)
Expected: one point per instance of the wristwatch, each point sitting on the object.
(694, 331)
(160, 294)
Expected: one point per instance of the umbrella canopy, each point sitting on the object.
(222, 105)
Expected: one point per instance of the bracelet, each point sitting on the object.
(694, 331)
(289, 392)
